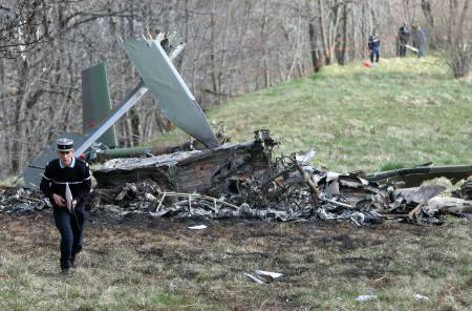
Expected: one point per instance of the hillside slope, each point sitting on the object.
(402, 112)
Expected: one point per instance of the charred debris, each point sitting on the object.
(226, 180)
(244, 181)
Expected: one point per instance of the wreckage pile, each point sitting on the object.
(296, 192)
(241, 181)
(20, 200)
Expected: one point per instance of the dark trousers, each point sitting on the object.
(421, 51)
(71, 227)
(402, 50)
(374, 54)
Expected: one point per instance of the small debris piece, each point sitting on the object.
(255, 279)
(465, 191)
(421, 297)
(273, 275)
(199, 227)
(18, 200)
(366, 297)
(419, 195)
(453, 205)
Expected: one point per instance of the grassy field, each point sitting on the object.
(403, 112)
(400, 113)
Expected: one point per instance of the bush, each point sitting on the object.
(459, 60)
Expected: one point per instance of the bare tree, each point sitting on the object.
(233, 47)
(314, 36)
(15, 21)
(460, 38)
(427, 9)
(341, 36)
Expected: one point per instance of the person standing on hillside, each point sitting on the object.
(374, 48)
(403, 37)
(419, 40)
(67, 184)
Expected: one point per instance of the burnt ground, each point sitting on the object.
(351, 260)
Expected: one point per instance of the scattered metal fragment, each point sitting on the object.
(452, 205)
(272, 275)
(18, 200)
(465, 191)
(421, 297)
(255, 279)
(418, 195)
(366, 297)
(199, 227)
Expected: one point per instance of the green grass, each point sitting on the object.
(406, 111)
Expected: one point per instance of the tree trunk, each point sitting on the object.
(341, 42)
(315, 55)
(18, 121)
(323, 34)
(428, 14)
(316, 58)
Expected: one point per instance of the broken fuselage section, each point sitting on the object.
(160, 77)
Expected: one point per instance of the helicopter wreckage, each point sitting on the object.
(228, 180)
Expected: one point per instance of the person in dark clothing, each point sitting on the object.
(67, 184)
(419, 40)
(403, 38)
(374, 48)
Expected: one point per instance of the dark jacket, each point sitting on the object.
(374, 42)
(419, 38)
(77, 175)
(404, 34)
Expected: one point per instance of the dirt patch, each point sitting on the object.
(141, 229)
(210, 264)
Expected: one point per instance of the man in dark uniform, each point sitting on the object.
(403, 37)
(67, 183)
(374, 48)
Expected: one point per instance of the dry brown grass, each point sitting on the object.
(143, 264)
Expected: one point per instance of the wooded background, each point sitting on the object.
(233, 47)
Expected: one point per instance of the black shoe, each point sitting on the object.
(67, 271)
(75, 254)
(73, 260)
